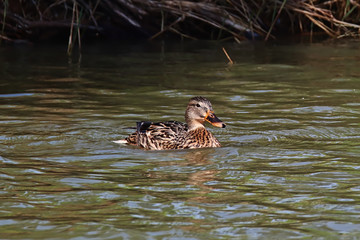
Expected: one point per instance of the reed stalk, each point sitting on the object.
(75, 28)
(71, 35)
(6, 4)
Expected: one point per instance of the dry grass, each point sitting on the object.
(206, 19)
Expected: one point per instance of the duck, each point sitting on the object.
(177, 135)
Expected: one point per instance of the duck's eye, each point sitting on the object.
(198, 105)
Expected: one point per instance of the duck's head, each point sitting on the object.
(200, 110)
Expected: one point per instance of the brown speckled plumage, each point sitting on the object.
(177, 135)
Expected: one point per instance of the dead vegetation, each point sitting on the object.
(33, 20)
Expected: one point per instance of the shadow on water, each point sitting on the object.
(289, 167)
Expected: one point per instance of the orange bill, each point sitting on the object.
(214, 120)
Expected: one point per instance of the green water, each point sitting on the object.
(289, 166)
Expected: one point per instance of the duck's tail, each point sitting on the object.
(121, 141)
(133, 138)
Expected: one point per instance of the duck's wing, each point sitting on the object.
(160, 135)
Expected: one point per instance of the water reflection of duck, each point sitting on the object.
(177, 135)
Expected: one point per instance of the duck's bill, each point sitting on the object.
(214, 120)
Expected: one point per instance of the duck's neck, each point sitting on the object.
(192, 125)
(191, 121)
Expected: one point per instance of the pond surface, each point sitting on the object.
(289, 166)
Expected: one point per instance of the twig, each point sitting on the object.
(5, 38)
(57, 24)
(181, 34)
(228, 57)
(275, 20)
(181, 18)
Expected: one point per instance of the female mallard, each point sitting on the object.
(177, 135)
